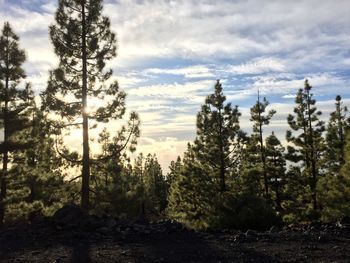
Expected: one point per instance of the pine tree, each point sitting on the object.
(296, 196)
(113, 183)
(191, 196)
(200, 192)
(260, 119)
(174, 171)
(217, 134)
(37, 182)
(14, 103)
(250, 168)
(139, 173)
(335, 186)
(152, 185)
(336, 189)
(308, 141)
(335, 137)
(209, 190)
(275, 165)
(84, 43)
(155, 185)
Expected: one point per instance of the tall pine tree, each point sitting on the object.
(217, 133)
(335, 195)
(258, 116)
(275, 165)
(307, 140)
(80, 88)
(14, 102)
(335, 137)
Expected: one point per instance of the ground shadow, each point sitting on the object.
(52, 245)
(81, 253)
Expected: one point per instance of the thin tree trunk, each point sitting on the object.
(263, 160)
(222, 158)
(142, 215)
(313, 157)
(5, 158)
(278, 196)
(262, 151)
(3, 185)
(341, 133)
(32, 192)
(85, 188)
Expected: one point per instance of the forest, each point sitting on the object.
(226, 179)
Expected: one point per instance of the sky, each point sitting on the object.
(170, 54)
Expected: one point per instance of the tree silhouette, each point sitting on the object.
(14, 102)
(308, 141)
(275, 165)
(84, 43)
(259, 119)
(217, 133)
(335, 137)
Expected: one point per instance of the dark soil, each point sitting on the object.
(109, 240)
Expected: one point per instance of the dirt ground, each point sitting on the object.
(166, 241)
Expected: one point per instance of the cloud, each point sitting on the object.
(258, 66)
(187, 91)
(49, 7)
(322, 83)
(166, 149)
(223, 29)
(288, 96)
(196, 71)
(171, 53)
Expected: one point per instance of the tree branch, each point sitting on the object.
(64, 156)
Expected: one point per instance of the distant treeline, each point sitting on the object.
(226, 178)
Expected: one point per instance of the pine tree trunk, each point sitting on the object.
(313, 157)
(85, 188)
(3, 185)
(222, 176)
(32, 192)
(142, 214)
(341, 134)
(222, 158)
(263, 160)
(277, 190)
(314, 183)
(278, 197)
(5, 158)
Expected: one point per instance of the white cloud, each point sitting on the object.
(322, 83)
(49, 7)
(196, 71)
(187, 91)
(288, 96)
(198, 29)
(259, 66)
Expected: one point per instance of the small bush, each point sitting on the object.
(245, 211)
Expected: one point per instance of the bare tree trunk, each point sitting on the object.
(85, 188)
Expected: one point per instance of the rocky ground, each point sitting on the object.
(71, 236)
